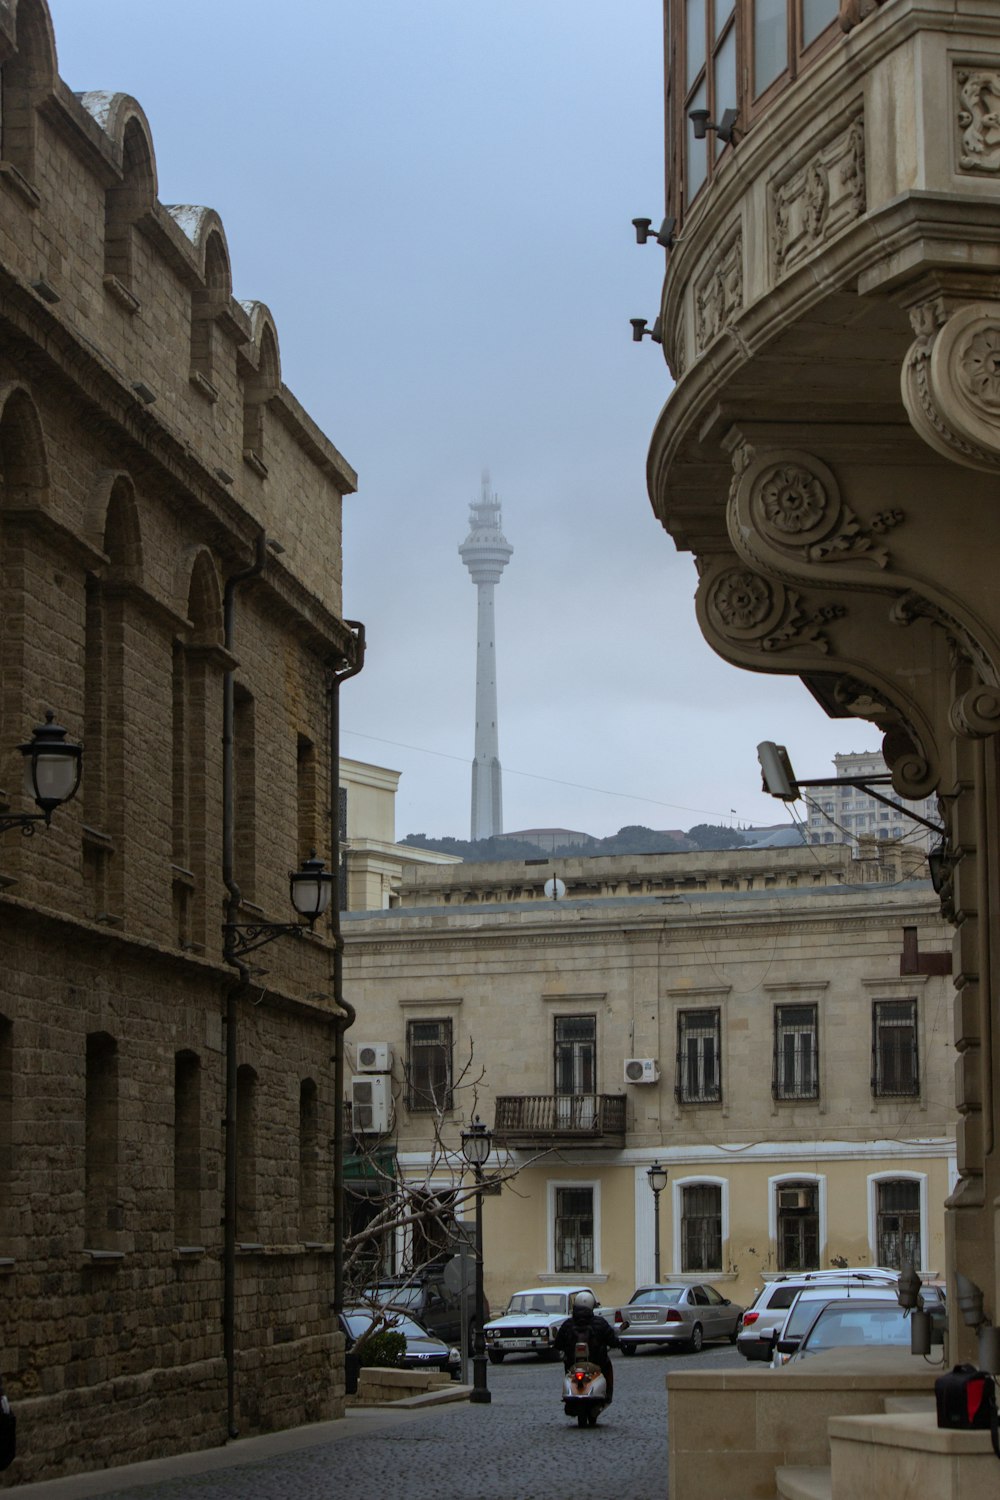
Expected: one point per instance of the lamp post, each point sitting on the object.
(52, 766)
(657, 1176)
(477, 1142)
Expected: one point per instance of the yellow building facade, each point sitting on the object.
(770, 1025)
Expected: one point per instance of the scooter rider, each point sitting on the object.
(584, 1325)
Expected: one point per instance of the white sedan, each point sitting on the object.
(531, 1322)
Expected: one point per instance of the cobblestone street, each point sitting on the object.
(520, 1447)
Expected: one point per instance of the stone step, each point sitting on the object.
(895, 1404)
(798, 1483)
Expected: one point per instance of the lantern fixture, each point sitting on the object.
(52, 768)
(309, 890)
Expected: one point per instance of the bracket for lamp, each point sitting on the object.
(724, 128)
(240, 938)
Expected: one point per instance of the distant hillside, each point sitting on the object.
(633, 839)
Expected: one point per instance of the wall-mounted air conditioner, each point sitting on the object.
(641, 1070)
(371, 1104)
(795, 1198)
(374, 1057)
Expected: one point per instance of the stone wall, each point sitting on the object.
(146, 439)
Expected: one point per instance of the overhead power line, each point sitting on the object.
(534, 776)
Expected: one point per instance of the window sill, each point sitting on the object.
(253, 460)
(20, 184)
(563, 1278)
(189, 1252)
(120, 293)
(104, 1257)
(7, 1264)
(203, 386)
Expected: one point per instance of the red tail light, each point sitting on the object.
(673, 1316)
(618, 1315)
(750, 1317)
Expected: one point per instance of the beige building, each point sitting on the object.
(373, 863)
(150, 455)
(829, 453)
(771, 1025)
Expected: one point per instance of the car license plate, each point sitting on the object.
(643, 1317)
(518, 1343)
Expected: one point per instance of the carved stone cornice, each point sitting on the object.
(786, 512)
(744, 608)
(951, 380)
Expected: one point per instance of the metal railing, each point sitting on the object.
(585, 1117)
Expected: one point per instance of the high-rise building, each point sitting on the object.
(486, 552)
(841, 812)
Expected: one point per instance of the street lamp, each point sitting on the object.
(52, 767)
(309, 891)
(477, 1143)
(657, 1176)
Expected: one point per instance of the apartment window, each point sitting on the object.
(187, 1148)
(895, 1064)
(698, 1073)
(246, 1153)
(428, 1065)
(576, 1054)
(103, 1211)
(308, 1160)
(709, 81)
(798, 1226)
(574, 1229)
(897, 1226)
(795, 1052)
(701, 1227)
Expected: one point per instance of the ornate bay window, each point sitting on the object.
(732, 55)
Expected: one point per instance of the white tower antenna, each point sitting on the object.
(486, 552)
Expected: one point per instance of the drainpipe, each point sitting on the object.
(346, 1014)
(234, 992)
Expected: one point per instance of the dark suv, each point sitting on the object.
(424, 1295)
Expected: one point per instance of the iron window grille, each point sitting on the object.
(895, 1060)
(574, 1229)
(898, 1223)
(698, 1064)
(701, 1227)
(428, 1065)
(798, 1226)
(796, 1073)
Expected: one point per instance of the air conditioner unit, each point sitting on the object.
(641, 1070)
(371, 1104)
(794, 1198)
(374, 1057)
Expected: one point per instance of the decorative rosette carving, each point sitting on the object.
(951, 381)
(792, 504)
(742, 608)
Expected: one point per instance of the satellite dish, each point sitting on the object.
(554, 888)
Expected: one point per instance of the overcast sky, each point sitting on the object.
(434, 200)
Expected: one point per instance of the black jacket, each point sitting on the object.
(587, 1325)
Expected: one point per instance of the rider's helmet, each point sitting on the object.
(585, 1299)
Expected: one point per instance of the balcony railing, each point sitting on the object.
(545, 1119)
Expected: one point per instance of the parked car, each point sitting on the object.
(423, 1350)
(676, 1313)
(427, 1298)
(767, 1312)
(531, 1322)
(870, 1323)
(807, 1304)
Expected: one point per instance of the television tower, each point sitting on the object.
(486, 552)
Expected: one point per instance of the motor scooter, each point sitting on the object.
(585, 1391)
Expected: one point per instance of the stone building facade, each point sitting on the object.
(769, 1024)
(151, 460)
(830, 448)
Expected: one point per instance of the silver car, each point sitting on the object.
(853, 1324)
(676, 1313)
